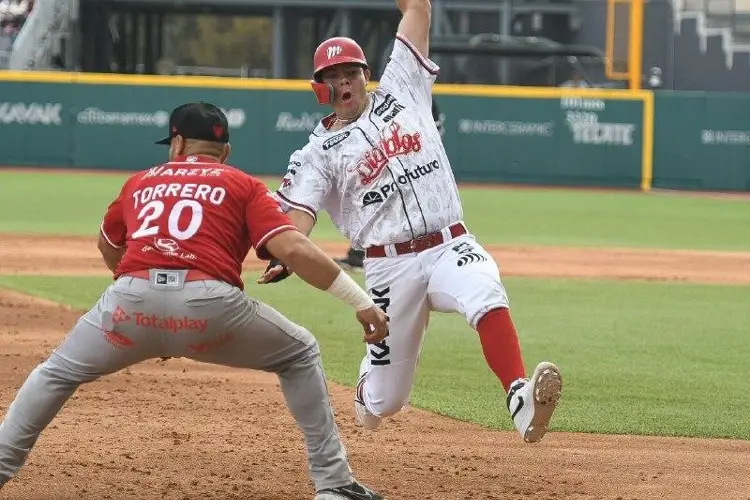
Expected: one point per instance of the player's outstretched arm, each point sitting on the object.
(415, 23)
(317, 269)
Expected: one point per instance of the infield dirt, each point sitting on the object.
(179, 430)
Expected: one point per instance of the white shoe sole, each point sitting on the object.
(363, 416)
(547, 383)
(330, 496)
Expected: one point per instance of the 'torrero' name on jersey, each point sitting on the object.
(199, 192)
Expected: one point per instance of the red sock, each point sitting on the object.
(500, 345)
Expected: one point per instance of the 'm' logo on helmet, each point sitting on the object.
(334, 51)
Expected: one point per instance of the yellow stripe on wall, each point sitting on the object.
(213, 82)
(304, 85)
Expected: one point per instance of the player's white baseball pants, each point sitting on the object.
(458, 276)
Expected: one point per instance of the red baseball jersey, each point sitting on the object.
(193, 213)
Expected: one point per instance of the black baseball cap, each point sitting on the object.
(198, 120)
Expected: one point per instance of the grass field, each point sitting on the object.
(502, 216)
(638, 357)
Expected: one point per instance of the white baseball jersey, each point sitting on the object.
(386, 177)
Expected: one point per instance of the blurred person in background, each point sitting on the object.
(576, 80)
(13, 15)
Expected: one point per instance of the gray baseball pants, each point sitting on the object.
(210, 321)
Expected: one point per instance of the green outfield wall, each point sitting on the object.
(702, 141)
(594, 141)
(493, 134)
(115, 127)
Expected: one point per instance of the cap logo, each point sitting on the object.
(334, 50)
(218, 131)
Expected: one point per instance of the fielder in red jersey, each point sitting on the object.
(193, 212)
(175, 239)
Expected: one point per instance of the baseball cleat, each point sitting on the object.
(354, 491)
(363, 415)
(531, 402)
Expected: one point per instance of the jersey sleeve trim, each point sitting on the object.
(260, 247)
(298, 206)
(109, 240)
(430, 66)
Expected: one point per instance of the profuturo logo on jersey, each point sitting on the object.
(379, 196)
(398, 144)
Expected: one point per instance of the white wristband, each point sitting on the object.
(346, 289)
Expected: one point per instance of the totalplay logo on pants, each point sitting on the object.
(171, 323)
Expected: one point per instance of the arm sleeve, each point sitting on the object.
(306, 184)
(113, 227)
(265, 219)
(408, 73)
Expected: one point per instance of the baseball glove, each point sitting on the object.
(282, 275)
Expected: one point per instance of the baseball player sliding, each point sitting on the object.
(175, 239)
(378, 166)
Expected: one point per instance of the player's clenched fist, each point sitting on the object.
(375, 324)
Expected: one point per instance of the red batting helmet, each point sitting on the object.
(337, 50)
